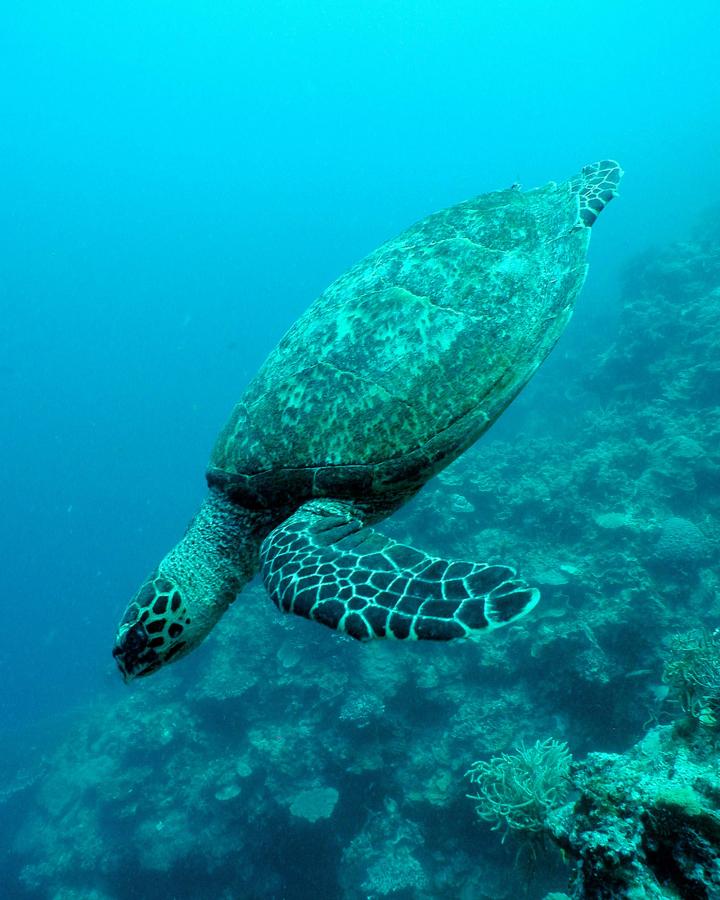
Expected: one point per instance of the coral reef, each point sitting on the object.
(282, 761)
(693, 674)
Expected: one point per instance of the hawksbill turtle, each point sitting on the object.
(393, 372)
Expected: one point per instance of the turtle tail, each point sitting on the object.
(596, 185)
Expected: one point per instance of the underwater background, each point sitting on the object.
(177, 182)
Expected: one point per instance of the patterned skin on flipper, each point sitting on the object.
(322, 564)
(158, 619)
(596, 184)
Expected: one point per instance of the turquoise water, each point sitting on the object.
(178, 182)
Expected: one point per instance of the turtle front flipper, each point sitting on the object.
(322, 564)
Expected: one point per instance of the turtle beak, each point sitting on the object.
(132, 654)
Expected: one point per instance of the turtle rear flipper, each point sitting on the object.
(322, 564)
(596, 185)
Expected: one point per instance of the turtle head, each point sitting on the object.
(156, 629)
(184, 598)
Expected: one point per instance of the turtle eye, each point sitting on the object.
(136, 640)
(132, 653)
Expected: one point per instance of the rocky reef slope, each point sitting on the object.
(287, 762)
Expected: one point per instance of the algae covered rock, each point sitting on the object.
(646, 823)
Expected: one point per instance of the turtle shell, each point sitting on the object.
(407, 358)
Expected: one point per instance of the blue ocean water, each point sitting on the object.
(178, 182)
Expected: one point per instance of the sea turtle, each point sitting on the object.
(394, 371)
